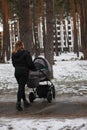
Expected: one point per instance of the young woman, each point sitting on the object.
(22, 61)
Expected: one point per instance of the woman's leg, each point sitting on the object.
(21, 90)
(22, 80)
(19, 94)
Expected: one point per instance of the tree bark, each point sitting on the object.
(6, 36)
(83, 20)
(24, 26)
(49, 49)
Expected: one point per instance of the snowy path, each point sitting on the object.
(62, 106)
(67, 112)
(64, 113)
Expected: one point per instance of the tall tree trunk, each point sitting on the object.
(1, 47)
(43, 25)
(49, 49)
(83, 20)
(72, 4)
(30, 28)
(55, 28)
(24, 27)
(8, 49)
(44, 32)
(36, 43)
(6, 35)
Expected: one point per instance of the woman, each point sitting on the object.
(22, 61)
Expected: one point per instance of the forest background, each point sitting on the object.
(30, 13)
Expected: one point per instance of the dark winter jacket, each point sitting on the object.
(22, 59)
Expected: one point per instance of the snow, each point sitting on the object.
(43, 124)
(70, 77)
(1, 29)
(69, 69)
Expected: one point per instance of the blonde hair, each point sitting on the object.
(18, 46)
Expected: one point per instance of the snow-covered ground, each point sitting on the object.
(70, 77)
(43, 124)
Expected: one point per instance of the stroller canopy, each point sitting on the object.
(43, 70)
(42, 64)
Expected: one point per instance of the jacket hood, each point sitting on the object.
(19, 54)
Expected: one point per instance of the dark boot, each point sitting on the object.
(26, 104)
(18, 106)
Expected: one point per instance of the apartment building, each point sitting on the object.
(64, 34)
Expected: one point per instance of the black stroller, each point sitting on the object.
(39, 81)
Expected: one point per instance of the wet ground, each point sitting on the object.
(63, 106)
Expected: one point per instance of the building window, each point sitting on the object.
(59, 43)
(69, 33)
(68, 22)
(69, 38)
(69, 27)
(58, 33)
(58, 38)
(58, 28)
(58, 22)
(69, 43)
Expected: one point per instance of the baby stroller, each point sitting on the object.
(40, 82)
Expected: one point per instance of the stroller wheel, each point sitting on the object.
(49, 96)
(31, 96)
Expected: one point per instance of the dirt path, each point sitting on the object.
(61, 107)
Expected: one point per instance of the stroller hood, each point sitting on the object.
(42, 64)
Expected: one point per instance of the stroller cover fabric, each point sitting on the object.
(42, 72)
(43, 66)
(42, 63)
